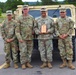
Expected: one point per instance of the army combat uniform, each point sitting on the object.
(8, 32)
(45, 40)
(24, 32)
(65, 26)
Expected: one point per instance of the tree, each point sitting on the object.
(49, 2)
(0, 12)
(66, 1)
(46, 2)
(2, 6)
(70, 2)
(26, 3)
(12, 4)
(56, 0)
(38, 3)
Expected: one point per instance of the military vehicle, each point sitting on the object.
(53, 11)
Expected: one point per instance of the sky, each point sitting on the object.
(26, 0)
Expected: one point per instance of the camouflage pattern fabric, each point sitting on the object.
(8, 32)
(25, 51)
(48, 21)
(45, 48)
(65, 26)
(45, 40)
(24, 30)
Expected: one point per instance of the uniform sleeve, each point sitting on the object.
(56, 28)
(71, 27)
(3, 32)
(17, 30)
(33, 26)
(13, 37)
(36, 28)
(14, 30)
(51, 29)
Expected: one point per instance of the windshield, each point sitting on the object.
(53, 13)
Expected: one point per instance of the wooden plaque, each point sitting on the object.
(43, 29)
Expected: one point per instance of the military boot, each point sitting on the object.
(64, 63)
(7, 65)
(15, 65)
(70, 65)
(43, 65)
(23, 66)
(49, 65)
(29, 65)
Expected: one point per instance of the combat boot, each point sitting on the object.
(49, 65)
(43, 65)
(7, 65)
(64, 63)
(23, 66)
(15, 65)
(29, 65)
(70, 65)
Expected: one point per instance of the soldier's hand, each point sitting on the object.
(64, 35)
(61, 37)
(21, 41)
(42, 33)
(11, 40)
(8, 40)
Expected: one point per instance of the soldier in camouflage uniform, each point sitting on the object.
(8, 34)
(45, 38)
(24, 32)
(64, 28)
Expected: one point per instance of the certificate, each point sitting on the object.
(43, 28)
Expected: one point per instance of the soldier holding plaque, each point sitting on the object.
(44, 28)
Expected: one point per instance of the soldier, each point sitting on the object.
(8, 34)
(64, 28)
(24, 32)
(44, 29)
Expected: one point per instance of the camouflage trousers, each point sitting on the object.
(45, 48)
(25, 51)
(65, 47)
(11, 48)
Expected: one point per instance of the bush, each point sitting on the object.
(0, 12)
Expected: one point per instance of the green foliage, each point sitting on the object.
(2, 17)
(70, 2)
(2, 6)
(37, 3)
(26, 3)
(49, 2)
(12, 4)
(0, 12)
(46, 2)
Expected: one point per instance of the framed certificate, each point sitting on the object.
(43, 28)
